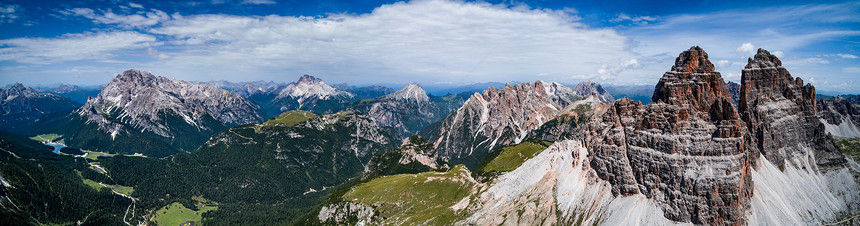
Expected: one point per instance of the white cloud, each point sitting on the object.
(778, 54)
(139, 19)
(607, 72)
(805, 61)
(747, 48)
(259, 2)
(134, 5)
(9, 13)
(852, 70)
(635, 19)
(96, 46)
(401, 42)
(722, 64)
(847, 56)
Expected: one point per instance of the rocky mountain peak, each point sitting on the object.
(763, 59)
(140, 99)
(17, 89)
(780, 112)
(20, 106)
(307, 79)
(560, 94)
(694, 60)
(497, 117)
(309, 87)
(692, 81)
(141, 78)
(412, 92)
(590, 88)
(645, 149)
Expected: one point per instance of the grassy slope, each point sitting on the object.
(291, 118)
(850, 146)
(410, 199)
(509, 158)
(176, 213)
(50, 137)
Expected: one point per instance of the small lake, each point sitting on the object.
(57, 147)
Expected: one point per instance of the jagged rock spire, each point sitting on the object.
(692, 81)
(780, 113)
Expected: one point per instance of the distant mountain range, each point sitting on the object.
(21, 108)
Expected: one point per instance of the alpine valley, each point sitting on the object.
(151, 150)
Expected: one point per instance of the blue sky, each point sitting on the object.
(428, 41)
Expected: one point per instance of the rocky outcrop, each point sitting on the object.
(780, 113)
(22, 106)
(840, 117)
(589, 88)
(495, 118)
(415, 155)
(568, 124)
(685, 150)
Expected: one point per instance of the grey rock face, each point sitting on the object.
(840, 117)
(735, 90)
(142, 100)
(780, 113)
(685, 151)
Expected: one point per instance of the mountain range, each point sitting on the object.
(146, 149)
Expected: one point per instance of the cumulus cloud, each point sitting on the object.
(138, 19)
(779, 54)
(607, 71)
(94, 46)
(746, 48)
